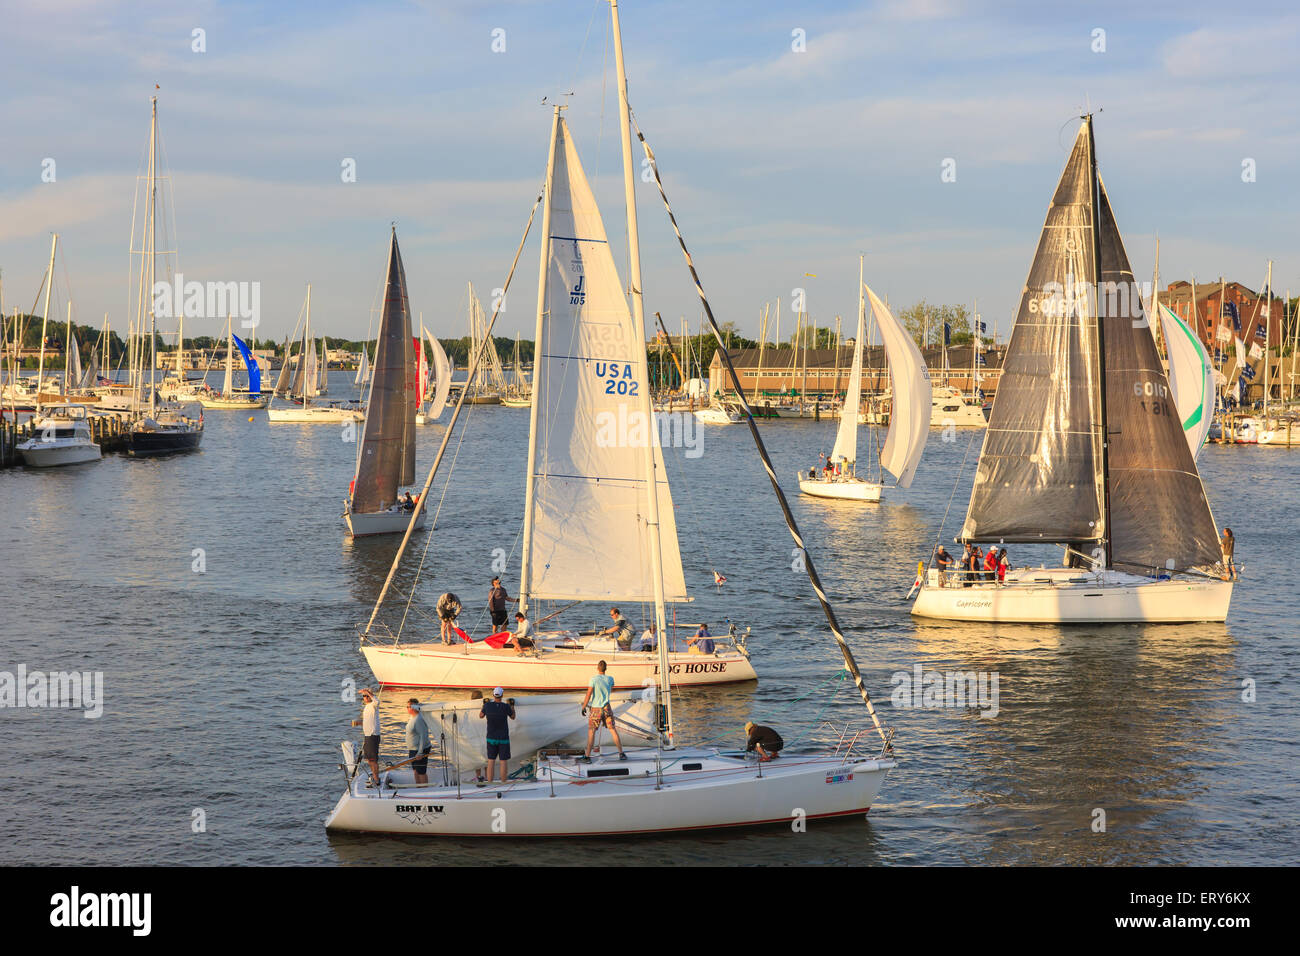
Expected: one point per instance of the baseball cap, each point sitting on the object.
(498, 691)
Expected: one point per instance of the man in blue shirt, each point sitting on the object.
(498, 714)
(702, 641)
(596, 708)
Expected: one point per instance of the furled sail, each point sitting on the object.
(442, 376)
(282, 380)
(909, 417)
(590, 538)
(1159, 515)
(382, 462)
(1191, 376)
(250, 363)
(846, 437)
(1039, 474)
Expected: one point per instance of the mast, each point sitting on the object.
(45, 318)
(1095, 203)
(1154, 317)
(152, 217)
(647, 410)
(228, 386)
(306, 346)
(1268, 321)
(525, 569)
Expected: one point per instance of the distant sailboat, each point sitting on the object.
(1191, 376)
(440, 374)
(519, 393)
(386, 452)
(229, 397)
(1085, 447)
(306, 385)
(363, 370)
(909, 422)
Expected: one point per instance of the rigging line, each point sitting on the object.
(428, 538)
(938, 534)
(886, 735)
(475, 357)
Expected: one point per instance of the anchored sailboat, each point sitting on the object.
(386, 452)
(909, 423)
(1085, 446)
(306, 385)
(230, 397)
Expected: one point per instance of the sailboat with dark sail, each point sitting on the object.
(1085, 446)
(386, 452)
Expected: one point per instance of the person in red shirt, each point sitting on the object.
(1003, 564)
(990, 564)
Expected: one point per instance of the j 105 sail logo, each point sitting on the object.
(578, 295)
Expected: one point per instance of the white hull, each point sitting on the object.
(650, 792)
(238, 402)
(948, 408)
(381, 522)
(714, 415)
(41, 454)
(1071, 596)
(554, 669)
(314, 415)
(843, 489)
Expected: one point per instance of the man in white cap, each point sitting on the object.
(498, 713)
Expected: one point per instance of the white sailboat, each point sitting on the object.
(1085, 447)
(440, 373)
(386, 452)
(363, 370)
(647, 789)
(519, 394)
(305, 385)
(247, 399)
(909, 422)
(586, 484)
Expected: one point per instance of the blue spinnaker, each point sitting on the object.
(254, 373)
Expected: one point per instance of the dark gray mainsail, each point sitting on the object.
(1159, 516)
(1082, 364)
(387, 453)
(1039, 473)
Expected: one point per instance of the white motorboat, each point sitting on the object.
(908, 428)
(62, 438)
(719, 413)
(1085, 447)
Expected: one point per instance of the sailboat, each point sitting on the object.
(909, 425)
(488, 383)
(229, 397)
(166, 428)
(386, 452)
(363, 370)
(1085, 447)
(583, 489)
(655, 789)
(519, 394)
(305, 385)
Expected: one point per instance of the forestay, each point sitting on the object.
(590, 536)
(909, 379)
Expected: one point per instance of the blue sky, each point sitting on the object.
(778, 163)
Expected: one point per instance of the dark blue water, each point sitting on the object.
(224, 689)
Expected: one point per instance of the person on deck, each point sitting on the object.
(620, 630)
(965, 566)
(498, 713)
(596, 708)
(702, 642)
(449, 608)
(991, 565)
(1003, 564)
(942, 561)
(369, 724)
(648, 639)
(766, 741)
(407, 503)
(522, 641)
(417, 741)
(1229, 544)
(497, 598)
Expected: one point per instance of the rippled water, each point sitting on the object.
(223, 688)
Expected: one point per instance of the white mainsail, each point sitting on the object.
(72, 375)
(846, 439)
(442, 376)
(589, 537)
(909, 379)
(1191, 376)
(311, 376)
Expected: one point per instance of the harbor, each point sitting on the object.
(628, 489)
